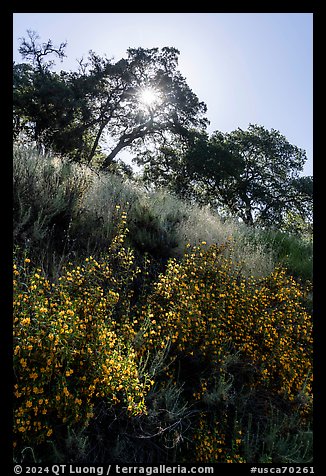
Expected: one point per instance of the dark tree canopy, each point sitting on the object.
(143, 103)
(267, 186)
(253, 175)
(101, 106)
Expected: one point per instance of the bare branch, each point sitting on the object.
(33, 51)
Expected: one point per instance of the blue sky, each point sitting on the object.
(247, 67)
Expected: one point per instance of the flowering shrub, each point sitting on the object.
(86, 338)
(209, 310)
(71, 347)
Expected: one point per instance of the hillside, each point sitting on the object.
(149, 329)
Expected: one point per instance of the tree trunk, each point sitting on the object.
(248, 212)
(126, 140)
(95, 144)
(248, 218)
(109, 159)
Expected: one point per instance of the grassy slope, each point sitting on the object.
(65, 212)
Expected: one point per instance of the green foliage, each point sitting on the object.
(281, 439)
(154, 225)
(71, 112)
(252, 175)
(292, 251)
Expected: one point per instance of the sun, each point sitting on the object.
(149, 97)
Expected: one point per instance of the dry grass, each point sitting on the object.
(52, 194)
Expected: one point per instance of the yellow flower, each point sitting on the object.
(23, 363)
